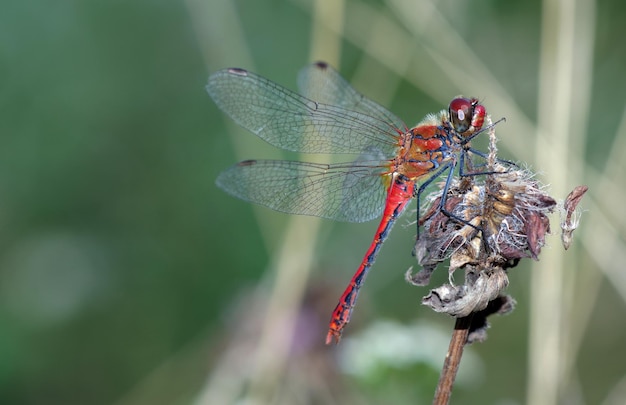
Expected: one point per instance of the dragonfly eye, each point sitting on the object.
(461, 113)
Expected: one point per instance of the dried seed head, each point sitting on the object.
(491, 221)
(504, 218)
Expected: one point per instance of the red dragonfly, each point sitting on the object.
(395, 163)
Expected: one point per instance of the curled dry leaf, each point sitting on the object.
(570, 216)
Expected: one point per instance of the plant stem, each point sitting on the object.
(452, 361)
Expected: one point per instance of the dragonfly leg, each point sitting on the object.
(422, 187)
(444, 196)
(462, 172)
(466, 140)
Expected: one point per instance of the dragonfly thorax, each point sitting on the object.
(425, 147)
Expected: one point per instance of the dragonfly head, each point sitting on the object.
(466, 115)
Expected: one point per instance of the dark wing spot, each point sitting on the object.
(247, 163)
(321, 65)
(238, 71)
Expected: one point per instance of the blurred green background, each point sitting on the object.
(127, 277)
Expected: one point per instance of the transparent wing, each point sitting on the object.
(351, 192)
(290, 121)
(321, 83)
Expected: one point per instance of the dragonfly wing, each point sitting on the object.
(290, 121)
(351, 192)
(320, 82)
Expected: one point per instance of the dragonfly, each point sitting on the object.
(394, 163)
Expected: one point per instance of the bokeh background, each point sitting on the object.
(127, 277)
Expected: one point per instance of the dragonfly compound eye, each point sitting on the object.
(461, 113)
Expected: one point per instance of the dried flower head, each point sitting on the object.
(491, 221)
